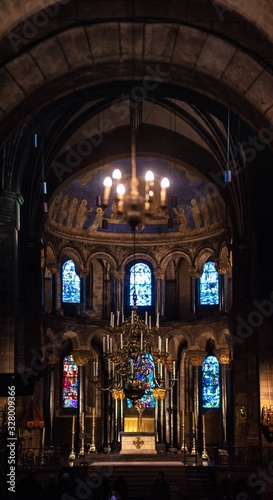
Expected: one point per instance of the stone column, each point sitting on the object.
(118, 395)
(222, 268)
(160, 395)
(83, 275)
(81, 358)
(196, 358)
(194, 275)
(159, 308)
(10, 342)
(55, 271)
(119, 277)
(224, 360)
(53, 360)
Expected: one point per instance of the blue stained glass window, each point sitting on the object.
(70, 383)
(147, 377)
(210, 383)
(209, 285)
(141, 284)
(71, 283)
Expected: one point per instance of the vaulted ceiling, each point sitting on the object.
(69, 70)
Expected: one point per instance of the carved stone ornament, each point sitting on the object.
(196, 357)
(223, 356)
(81, 357)
(194, 272)
(138, 443)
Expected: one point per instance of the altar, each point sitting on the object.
(139, 436)
(138, 443)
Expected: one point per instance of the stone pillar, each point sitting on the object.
(10, 342)
(118, 396)
(159, 276)
(196, 358)
(224, 360)
(194, 275)
(55, 270)
(81, 358)
(53, 360)
(83, 275)
(160, 395)
(222, 270)
(119, 277)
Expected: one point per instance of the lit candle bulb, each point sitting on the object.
(164, 185)
(167, 345)
(120, 193)
(107, 187)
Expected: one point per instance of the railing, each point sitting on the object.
(241, 456)
(36, 457)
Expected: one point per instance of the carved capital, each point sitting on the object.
(222, 266)
(159, 275)
(53, 267)
(81, 357)
(194, 272)
(119, 275)
(223, 355)
(196, 357)
(84, 273)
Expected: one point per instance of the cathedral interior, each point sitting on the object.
(143, 312)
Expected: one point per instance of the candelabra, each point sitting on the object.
(125, 352)
(82, 437)
(92, 448)
(205, 456)
(183, 448)
(42, 462)
(72, 454)
(193, 450)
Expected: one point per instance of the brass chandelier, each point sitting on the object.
(125, 352)
(134, 206)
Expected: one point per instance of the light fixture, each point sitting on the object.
(125, 350)
(134, 206)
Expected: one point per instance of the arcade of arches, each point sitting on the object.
(200, 73)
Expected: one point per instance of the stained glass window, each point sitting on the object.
(209, 285)
(146, 367)
(210, 383)
(71, 283)
(70, 383)
(141, 284)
